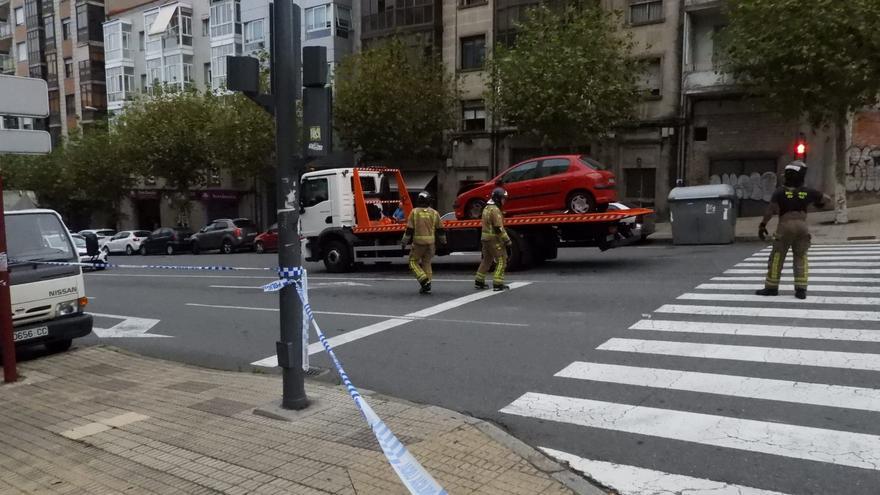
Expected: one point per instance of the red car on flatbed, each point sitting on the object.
(574, 183)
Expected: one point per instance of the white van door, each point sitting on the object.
(317, 212)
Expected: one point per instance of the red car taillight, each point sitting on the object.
(237, 232)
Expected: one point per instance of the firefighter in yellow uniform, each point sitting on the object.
(423, 230)
(790, 202)
(495, 241)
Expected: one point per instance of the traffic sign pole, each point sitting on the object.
(6, 339)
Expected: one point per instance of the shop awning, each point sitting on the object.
(166, 12)
(416, 181)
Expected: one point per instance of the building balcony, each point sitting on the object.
(7, 64)
(691, 5)
(708, 81)
(5, 30)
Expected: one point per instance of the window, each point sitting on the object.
(640, 183)
(222, 19)
(343, 18)
(318, 18)
(117, 40)
(651, 81)
(645, 11)
(471, 3)
(701, 133)
(173, 69)
(473, 52)
(554, 166)
(82, 21)
(523, 172)
(143, 82)
(19, 16)
(253, 35)
(154, 42)
(142, 41)
(218, 64)
(65, 28)
(49, 28)
(120, 83)
(21, 51)
(207, 74)
(34, 48)
(68, 68)
(473, 117)
(718, 54)
(314, 191)
(154, 71)
(70, 103)
(206, 26)
(92, 96)
(52, 68)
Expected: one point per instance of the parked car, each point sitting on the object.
(643, 225)
(574, 183)
(226, 235)
(127, 241)
(103, 235)
(167, 240)
(82, 251)
(268, 240)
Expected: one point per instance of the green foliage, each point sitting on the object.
(569, 77)
(241, 136)
(813, 58)
(391, 104)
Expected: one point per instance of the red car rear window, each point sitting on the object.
(592, 163)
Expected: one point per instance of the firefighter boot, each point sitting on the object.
(426, 287)
(767, 291)
(800, 293)
(500, 287)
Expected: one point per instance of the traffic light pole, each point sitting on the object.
(285, 83)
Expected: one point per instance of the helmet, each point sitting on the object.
(795, 173)
(423, 199)
(498, 195)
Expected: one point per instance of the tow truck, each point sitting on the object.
(346, 218)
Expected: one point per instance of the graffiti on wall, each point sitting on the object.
(755, 186)
(863, 169)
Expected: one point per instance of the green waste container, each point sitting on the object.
(703, 214)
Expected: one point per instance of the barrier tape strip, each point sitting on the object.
(413, 476)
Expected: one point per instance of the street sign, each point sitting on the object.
(21, 142)
(24, 97)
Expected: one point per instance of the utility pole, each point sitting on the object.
(6, 336)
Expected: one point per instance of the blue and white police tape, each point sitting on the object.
(98, 264)
(414, 477)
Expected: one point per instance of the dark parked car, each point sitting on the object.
(268, 240)
(167, 241)
(226, 235)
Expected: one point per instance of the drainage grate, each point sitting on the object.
(315, 371)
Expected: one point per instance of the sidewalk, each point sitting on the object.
(100, 420)
(864, 226)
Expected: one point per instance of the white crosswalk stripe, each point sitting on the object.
(726, 307)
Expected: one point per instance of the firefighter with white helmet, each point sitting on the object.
(494, 240)
(424, 230)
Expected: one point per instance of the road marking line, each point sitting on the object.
(867, 264)
(779, 331)
(367, 315)
(875, 280)
(801, 442)
(805, 314)
(777, 355)
(813, 288)
(851, 301)
(757, 259)
(833, 271)
(632, 480)
(828, 252)
(816, 394)
(129, 327)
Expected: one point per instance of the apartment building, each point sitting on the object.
(61, 42)
(181, 45)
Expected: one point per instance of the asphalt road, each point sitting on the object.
(707, 392)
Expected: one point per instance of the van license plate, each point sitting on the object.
(30, 333)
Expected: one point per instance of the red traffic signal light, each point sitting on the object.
(800, 148)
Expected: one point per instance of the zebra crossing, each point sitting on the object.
(788, 365)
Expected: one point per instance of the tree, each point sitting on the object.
(569, 77)
(241, 136)
(813, 59)
(390, 103)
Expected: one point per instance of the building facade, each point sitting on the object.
(61, 42)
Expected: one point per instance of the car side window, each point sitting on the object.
(121, 235)
(553, 166)
(523, 172)
(218, 226)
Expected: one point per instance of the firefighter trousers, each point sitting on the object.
(420, 261)
(494, 251)
(794, 235)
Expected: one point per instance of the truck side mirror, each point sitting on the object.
(91, 244)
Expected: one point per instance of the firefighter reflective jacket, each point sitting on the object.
(493, 224)
(423, 226)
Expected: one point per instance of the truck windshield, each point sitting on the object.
(37, 237)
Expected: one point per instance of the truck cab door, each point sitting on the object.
(317, 210)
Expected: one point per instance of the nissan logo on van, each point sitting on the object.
(62, 292)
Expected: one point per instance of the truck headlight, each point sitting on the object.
(68, 308)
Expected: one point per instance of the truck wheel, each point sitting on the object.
(520, 255)
(337, 257)
(59, 345)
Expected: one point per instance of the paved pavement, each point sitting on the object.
(651, 368)
(99, 421)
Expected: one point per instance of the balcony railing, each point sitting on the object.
(7, 64)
